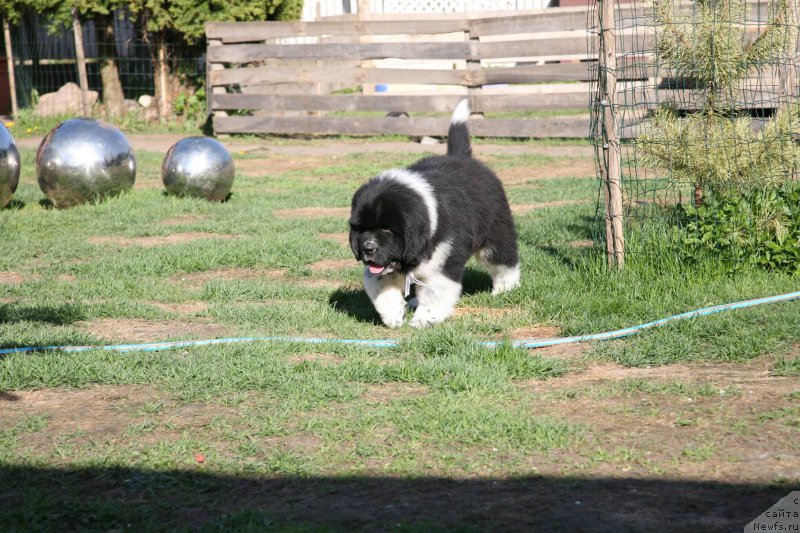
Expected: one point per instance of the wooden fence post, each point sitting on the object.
(211, 91)
(610, 166)
(12, 80)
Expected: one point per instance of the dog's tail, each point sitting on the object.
(458, 144)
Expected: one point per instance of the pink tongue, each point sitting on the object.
(375, 269)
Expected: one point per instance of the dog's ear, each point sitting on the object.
(354, 244)
(416, 236)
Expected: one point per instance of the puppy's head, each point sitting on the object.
(387, 230)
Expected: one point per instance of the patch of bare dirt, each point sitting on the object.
(534, 332)
(729, 423)
(277, 164)
(490, 312)
(69, 278)
(226, 274)
(11, 278)
(183, 219)
(188, 308)
(165, 240)
(89, 413)
(388, 392)
(583, 243)
(331, 264)
(323, 358)
(578, 168)
(338, 238)
(752, 376)
(312, 212)
(249, 274)
(521, 209)
(140, 330)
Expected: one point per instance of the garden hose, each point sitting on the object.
(388, 343)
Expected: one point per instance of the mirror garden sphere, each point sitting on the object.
(9, 166)
(84, 160)
(200, 167)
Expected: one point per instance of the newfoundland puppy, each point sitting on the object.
(419, 225)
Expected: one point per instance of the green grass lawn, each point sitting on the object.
(150, 267)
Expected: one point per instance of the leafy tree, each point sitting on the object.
(102, 12)
(11, 10)
(707, 45)
(171, 21)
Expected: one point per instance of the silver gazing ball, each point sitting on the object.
(9, 166)
(200, 167)
(84, 160)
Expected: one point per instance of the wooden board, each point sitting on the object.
(470, 51)
(573, 126)
(412, 103)
(353, 74)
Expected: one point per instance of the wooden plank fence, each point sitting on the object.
(528, 74)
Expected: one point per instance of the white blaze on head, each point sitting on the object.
(417, 183)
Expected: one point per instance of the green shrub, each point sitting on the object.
(757, 227)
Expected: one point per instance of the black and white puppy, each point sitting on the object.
(422, 223)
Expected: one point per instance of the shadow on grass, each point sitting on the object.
(567, 254)
(116, 498)
(58, 315)
(356, 304)
(14, 204)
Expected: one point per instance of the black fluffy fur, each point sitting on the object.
(473, 213)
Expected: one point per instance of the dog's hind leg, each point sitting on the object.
(500, 257)
(386, 293)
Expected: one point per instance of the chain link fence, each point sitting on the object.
(45, 60)
(707, 115)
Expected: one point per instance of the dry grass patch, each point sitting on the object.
(332, 264)
(486, 312)
(226, 274)
(140, 330)
(277, 164)
(338, 238)
(313, 212)
(568, 169)
(85, 414)
(149, 242)
(11, 278)
(388, 392)
(188, 308)
(521, 209)
(183, 219)
(322, 358)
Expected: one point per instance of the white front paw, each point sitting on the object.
(393, 320)
(505, 286)
(425, 317)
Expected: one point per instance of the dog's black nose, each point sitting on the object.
(369, 247)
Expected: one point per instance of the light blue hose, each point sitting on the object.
(388, 343)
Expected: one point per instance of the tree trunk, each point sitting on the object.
(164, 98)
(80, 57)
(12, 80)
(113, 96)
